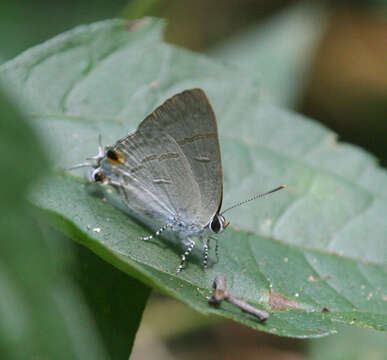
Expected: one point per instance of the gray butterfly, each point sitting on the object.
(168, 172)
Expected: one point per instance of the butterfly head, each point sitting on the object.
(218, 223)
(98, 176)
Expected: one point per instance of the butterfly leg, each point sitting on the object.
(188, 251)
(157, 233)
(216, 247)
(217, 250)
(205, 253)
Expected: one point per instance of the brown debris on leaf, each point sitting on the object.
(279, 302)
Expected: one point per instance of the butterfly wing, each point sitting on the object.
(190, 120)
(171, 164)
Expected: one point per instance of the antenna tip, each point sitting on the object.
(283, 186)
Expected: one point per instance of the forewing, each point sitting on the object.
(189, 119)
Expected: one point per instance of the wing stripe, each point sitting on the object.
(195, 138)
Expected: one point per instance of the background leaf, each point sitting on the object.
(116, 301)
(350, 344)
(278, 52)
(306, 244)
(31, 23)
(35, 295)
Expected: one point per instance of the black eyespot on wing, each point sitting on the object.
(215, 225)
(114, 157)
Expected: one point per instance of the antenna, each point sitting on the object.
(253, 198)
(97, 158)
(77, 166)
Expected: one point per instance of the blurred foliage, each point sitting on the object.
(139, 8)
(58, 300)
(36, 298)
(116, 301)
(347, 87)
(31, 22)
(200, 24)
(350, 344)
(277, 52)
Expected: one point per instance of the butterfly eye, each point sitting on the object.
(98, 176)
(215, 225)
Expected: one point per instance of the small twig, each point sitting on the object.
(221, 294)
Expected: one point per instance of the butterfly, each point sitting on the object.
(168, 172)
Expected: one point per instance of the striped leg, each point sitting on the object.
(188, 251)
(205, 253)
(157, 233)
(216, 247)
(216, 250)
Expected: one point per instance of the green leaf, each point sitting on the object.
(278, 52)
(317, 246)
